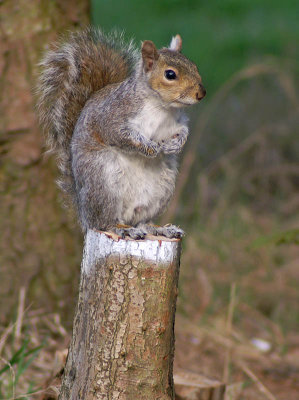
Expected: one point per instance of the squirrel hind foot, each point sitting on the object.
(130, 231)
(141, 230)
(170, 231)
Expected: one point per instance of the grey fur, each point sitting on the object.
(116, 138)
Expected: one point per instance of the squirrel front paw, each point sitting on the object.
(153, 149)
(175, 144)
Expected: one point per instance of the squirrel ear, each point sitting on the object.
(176, 43)
(149, 54)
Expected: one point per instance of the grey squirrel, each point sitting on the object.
(114, 117)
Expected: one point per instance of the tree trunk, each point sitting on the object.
(123, 339)
(39, 247)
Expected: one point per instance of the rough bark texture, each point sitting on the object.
(123, 338)
(40, 247)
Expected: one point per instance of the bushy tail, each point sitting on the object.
(77, 67)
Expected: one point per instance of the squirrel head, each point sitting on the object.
(172, 75)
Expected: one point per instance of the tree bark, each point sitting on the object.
(123, 334)
(40, 246)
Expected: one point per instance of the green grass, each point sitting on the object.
(221, 36)
(15, 367)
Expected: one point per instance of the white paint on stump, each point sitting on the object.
(156, 249)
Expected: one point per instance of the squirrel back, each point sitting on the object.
(78, 66)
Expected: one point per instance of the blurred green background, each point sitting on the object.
(247, 54)
(221, 36)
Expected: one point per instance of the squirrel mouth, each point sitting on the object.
(185, 103)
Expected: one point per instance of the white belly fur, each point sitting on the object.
(158, 123)
(142, 184)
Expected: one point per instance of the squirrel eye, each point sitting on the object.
(170, 74)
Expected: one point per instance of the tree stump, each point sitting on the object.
(123, 335)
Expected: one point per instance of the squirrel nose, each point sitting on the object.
(202, 92)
